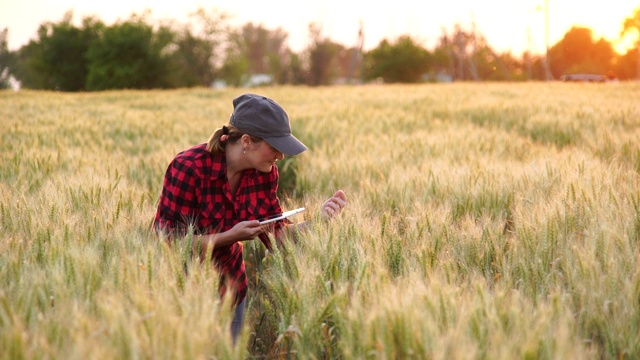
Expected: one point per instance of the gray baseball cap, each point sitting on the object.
(259, 116)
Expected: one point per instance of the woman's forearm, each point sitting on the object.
(205, 243)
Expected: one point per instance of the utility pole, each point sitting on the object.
(547, 67)
(528, 55)
(356, 59)
(472, 64)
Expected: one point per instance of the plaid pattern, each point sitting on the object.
(196, 193)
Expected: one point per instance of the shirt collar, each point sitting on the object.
(219, 167)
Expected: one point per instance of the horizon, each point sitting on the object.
(523, 30)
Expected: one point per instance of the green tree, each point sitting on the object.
(131, 55)
(630, 26)
(254, 49)
(264, 47)
(27, 69)
(458, 46)
(192, 61)
(57, 60)
(235, 67)
(198, 49)
(403, 61)
(321, 58)
(295, 73)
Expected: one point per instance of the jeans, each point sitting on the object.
(236, 323)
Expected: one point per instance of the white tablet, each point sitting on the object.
(284, 215)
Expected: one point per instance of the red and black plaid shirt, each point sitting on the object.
(196, 193)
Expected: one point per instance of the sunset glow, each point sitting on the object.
(508, 26)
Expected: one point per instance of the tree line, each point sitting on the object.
(138, 53)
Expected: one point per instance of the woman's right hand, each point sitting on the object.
(242, 231)
(245, 230)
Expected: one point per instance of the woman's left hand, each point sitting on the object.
(334, 205)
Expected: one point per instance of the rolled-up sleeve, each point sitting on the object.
(272, 203)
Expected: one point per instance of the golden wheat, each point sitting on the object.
(485, 220)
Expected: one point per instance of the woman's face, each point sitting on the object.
(264, 156)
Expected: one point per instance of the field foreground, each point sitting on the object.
(486, 221)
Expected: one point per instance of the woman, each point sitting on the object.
(220, 190)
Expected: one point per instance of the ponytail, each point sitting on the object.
(216, 143)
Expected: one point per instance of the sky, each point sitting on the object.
(508, 25)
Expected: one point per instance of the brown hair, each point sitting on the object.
(215, 146)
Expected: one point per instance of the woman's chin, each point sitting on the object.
(266, 168)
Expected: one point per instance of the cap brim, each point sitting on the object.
(287, 145)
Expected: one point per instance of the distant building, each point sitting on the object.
(439, 77)
(248, 81)
(258, 80)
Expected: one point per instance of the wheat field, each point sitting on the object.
(485, 221)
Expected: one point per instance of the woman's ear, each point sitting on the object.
(246, 141)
